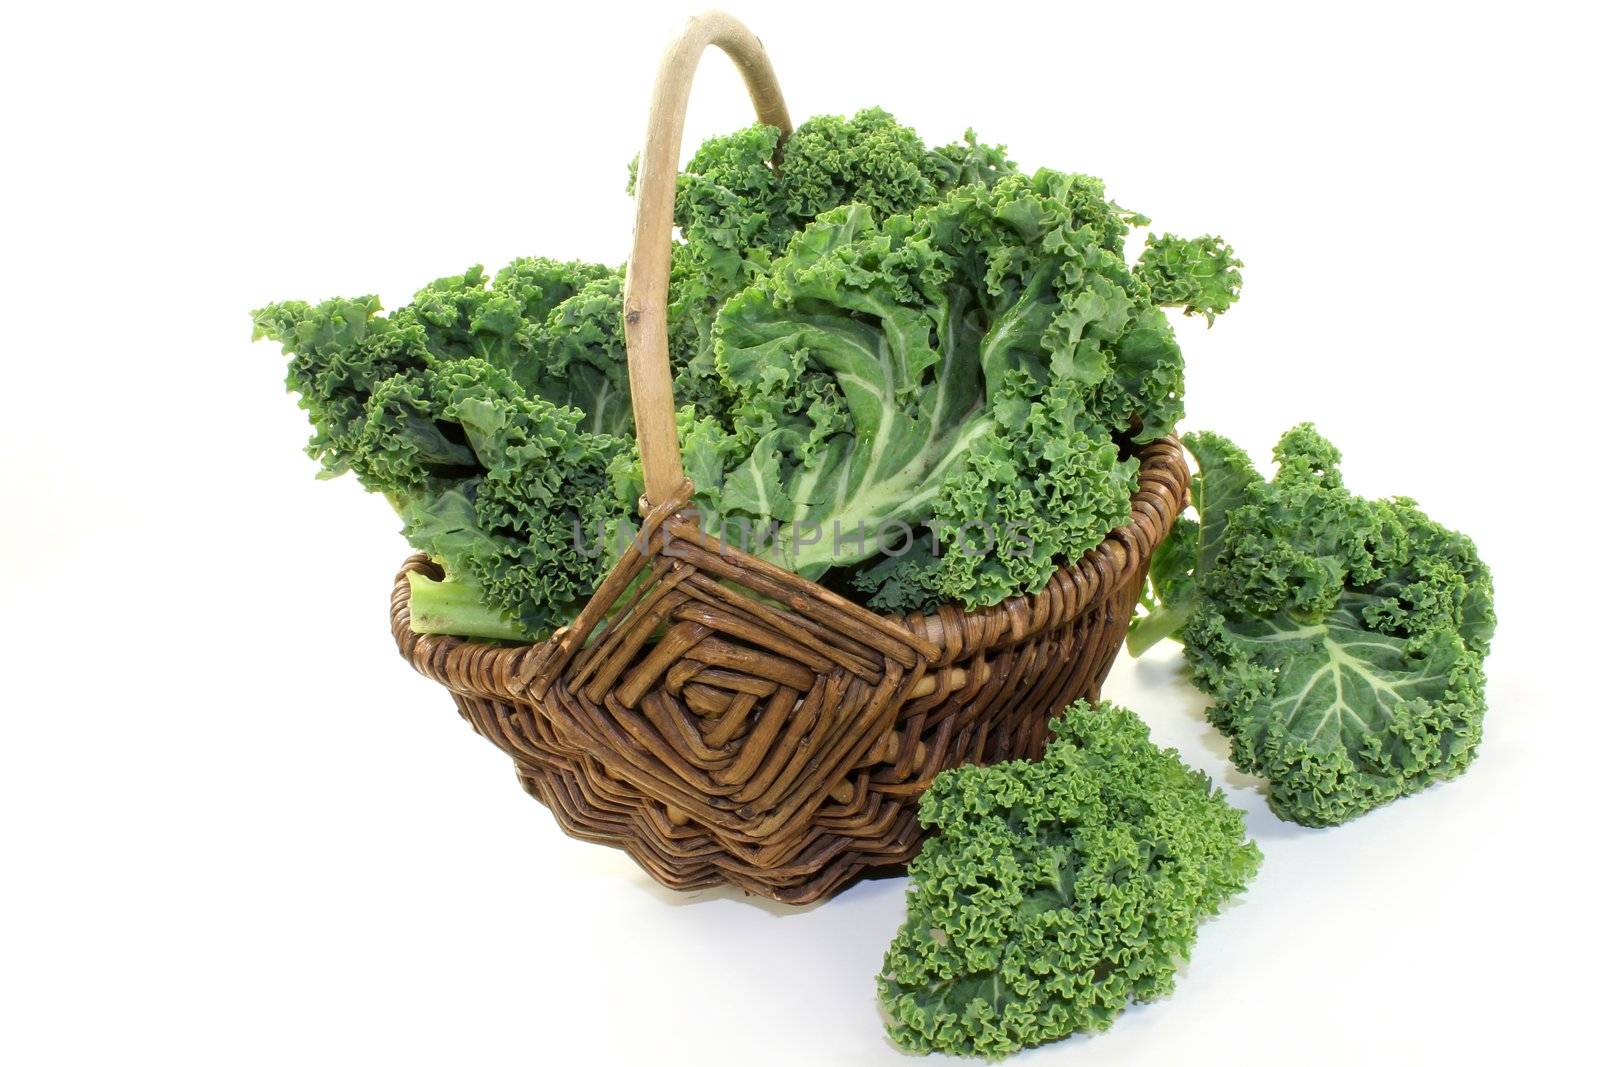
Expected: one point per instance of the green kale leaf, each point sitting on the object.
(927, 370)
(978, 366)
(1341, 639)
(489, 480)
(1055, 893)
(1199, 275)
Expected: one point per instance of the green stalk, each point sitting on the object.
(457, 608)
(1162, 622)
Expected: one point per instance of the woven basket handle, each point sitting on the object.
(645, 293)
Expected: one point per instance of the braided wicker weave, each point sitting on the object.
(727, 722)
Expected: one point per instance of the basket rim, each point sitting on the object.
(503, 671)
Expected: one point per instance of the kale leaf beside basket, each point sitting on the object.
(1341, 639)
(877, 338)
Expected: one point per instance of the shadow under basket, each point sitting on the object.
(732, 723)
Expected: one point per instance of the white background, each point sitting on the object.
(238, 829)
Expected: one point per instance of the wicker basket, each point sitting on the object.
(731, 722)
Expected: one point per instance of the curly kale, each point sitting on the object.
(1199, 275)
(969, 366)
(870, 337)
(738, 213)
(1056, 893)
(490, 480)
(1341, 639)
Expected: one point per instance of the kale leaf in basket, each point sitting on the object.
(925, 367)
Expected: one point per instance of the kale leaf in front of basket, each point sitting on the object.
(874, 334)
(1341, 639)
(1055, 893)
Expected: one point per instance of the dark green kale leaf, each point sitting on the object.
(867, 334)
(1341, 639)
(1056, 893)
(492, 482)
(972, 367)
